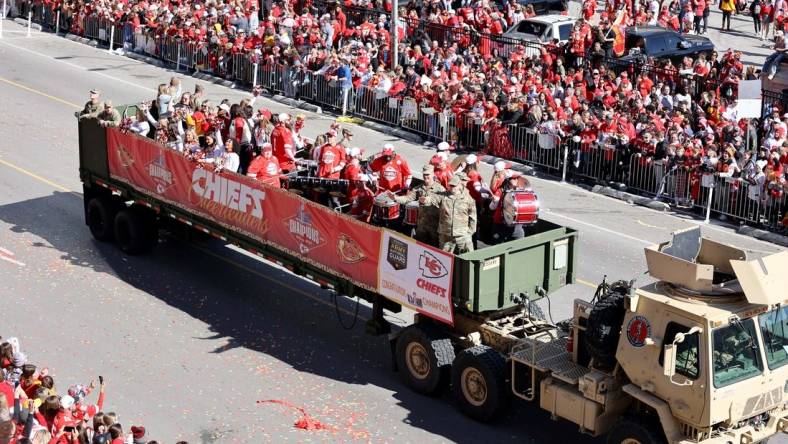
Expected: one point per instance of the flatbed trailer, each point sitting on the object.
(676, 361)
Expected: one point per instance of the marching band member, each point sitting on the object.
(265, 167)
(503, 231)
(282, 142)
(361, 198)
(392, 170)
(332, 158)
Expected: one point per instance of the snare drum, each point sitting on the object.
(308, 166)
(385, 208)
(411, 213)
(520, 207)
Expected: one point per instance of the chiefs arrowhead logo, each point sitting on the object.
(126, 158)
(349, 250)
(431, 267)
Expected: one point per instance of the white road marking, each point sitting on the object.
(9, 257)
(81, 68)
(606, 230)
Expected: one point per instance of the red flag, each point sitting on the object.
(618, 42)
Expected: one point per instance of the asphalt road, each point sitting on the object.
(194, 336)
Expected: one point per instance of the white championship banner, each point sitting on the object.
(416, 275)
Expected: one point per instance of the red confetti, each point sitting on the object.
(306, 421)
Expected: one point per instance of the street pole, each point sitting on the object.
(394, 34)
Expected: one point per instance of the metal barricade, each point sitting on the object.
(272, 77)
(376, 105)
(646, 175)
(91, 27)
(541, 150)
(202, 58)
(429, 124)
(168, 49)
(599, 163)
(331, 94)
(469, 132)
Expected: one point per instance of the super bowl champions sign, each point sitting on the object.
(416, 275)
(395, 266)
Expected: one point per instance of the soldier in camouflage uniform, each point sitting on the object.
(457, 217)
(426, 225)
(109, 117)
(93, 107)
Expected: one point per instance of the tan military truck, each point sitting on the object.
(700, 356)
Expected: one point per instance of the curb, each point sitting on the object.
(79, 39)
(23, 22)
(396, 132)
(515, 166)
(763, 235)
(631, 198)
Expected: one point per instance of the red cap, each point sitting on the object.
(138, 432)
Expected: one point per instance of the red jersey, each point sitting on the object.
(394, 174)
(266, 170)
(332, 160)
(280, 137)
(361, 201)
(474, 185)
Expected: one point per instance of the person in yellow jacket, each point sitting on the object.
(728, 7)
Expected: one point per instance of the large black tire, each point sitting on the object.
(100, 215)
(478, 379)
(424, 358)
(604, 328)
(136, 231)
(632, 430)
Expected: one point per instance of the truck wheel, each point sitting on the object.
(424, 358)
(478, 379)
(100, 217)
(135, 231)
(633, 431)
(604, 329)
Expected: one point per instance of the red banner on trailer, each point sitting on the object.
(309, 231)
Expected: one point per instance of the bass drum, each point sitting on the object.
(520, 207)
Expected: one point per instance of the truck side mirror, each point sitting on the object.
(669, 360)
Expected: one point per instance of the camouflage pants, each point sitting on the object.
(428, 237)
(456, 244)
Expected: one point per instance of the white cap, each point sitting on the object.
(284, 117)
(66, 402)
(225, 107)
(471, 158)
(443, 146)
(388, 146)
(500, 165)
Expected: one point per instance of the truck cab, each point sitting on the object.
(699, 356)
(710, 339)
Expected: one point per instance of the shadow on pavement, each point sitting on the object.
(251, 312)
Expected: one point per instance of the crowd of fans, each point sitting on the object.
(450, 61)
(35, 410)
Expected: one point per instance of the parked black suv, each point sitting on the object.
(661, 43)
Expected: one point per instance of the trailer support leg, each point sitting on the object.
(377, 325)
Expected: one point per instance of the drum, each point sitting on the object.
(411, 213)
(520, 207)
(385, 208)
(308, 166)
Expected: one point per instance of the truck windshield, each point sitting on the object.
(736, 355)
(774, 329)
